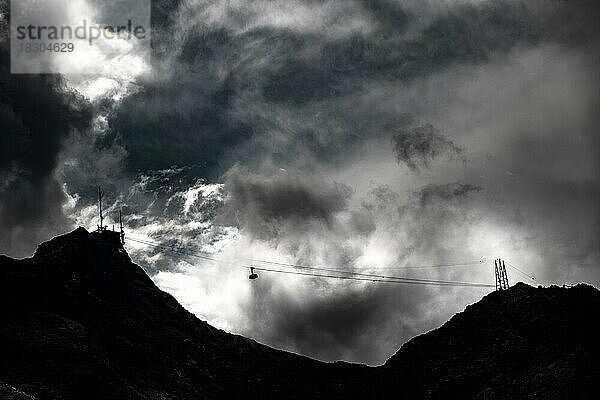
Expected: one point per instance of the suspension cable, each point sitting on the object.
(525, 274)
(319, 272)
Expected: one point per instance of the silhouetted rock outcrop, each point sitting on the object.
(79, 320)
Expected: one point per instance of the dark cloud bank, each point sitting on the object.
(37, 113)
(218, 94)
(279, 111)
(262, 201)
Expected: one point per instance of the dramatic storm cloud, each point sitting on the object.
(245, 82)
(383, 137)
(271, 200)
(37, 113)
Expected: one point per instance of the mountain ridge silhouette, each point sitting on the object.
(80, 320)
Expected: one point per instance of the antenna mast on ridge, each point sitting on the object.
(122, 232)
(101, 227)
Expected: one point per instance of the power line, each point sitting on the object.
(321, 272)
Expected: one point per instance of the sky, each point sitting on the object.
(374, 136)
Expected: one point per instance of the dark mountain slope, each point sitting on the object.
(79, 320)
(519, 344)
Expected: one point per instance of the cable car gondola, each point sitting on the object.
(252, 275)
